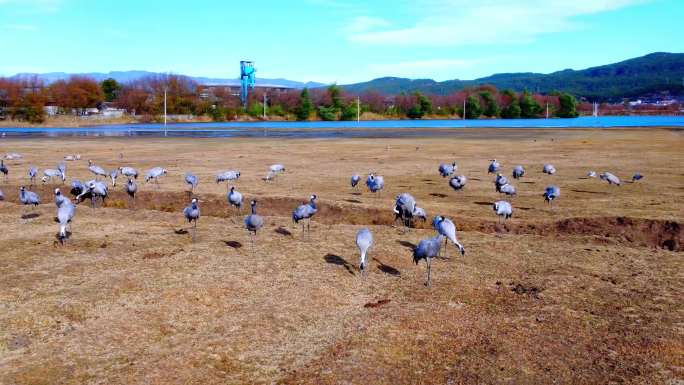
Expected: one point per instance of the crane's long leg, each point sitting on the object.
(429, 269)
(194, 231)
(446, 249)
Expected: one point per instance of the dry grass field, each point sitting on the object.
(589, 292)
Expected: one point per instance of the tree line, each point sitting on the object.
(24, 99)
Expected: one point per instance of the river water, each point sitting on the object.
(337, 129)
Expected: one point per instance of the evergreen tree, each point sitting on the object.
(304, 107)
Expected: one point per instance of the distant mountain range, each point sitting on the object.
(653, 73)
(127, 76)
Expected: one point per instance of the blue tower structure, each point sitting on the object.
(247, 71)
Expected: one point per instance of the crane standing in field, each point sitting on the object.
(447, 169)
(427, 249)
(235, 198)
(446, 228)
(131, 189)
(97, 170)
(549, 169)
(518, 172)
(191, 180)
(28, 198)
(253, 222)
(113, 175)
(375, 183)
(192, 214)
(227, 176)
(458, 182)
(355, 180)
(494, 167)
(610, 178)
(503, 210)
(129, 172)
(305, 212)
(155, 173)
(65, 213)
(364, 240)
(32, 173)
(551, 193)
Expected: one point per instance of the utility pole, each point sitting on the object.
(358, 109)
(264, 105)
(547, 110)
(165, 110)
(463, 108)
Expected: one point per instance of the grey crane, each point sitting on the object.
(129, 172)
(549, 169)
(77, 187)
(94, 189)
(494, 167)
(60, 199)
(97, 170)
(610, 178)
(192, 214)
(131, 189)
(191, 180)
(551, 193)
(503, 209)
(508, 189)
(518, 172)
(28, 198)
(364, 241)
(419, 212)
(65, 214)
(591, 174)
(253, 222)
(50, 173)
(4, 169)
(113, 174)
(2, 196)
(32, 173)
(235, 198)
(155, 173)
(375, 183)
(305, 212)
(458, 182)
(637, 176)
(227, 175)
(13, 156)
(500, 181)
(428, 249)
(277, 168)
(72, 157)
(447, 169)
(446, 228)
(404, 207)
(355, 180)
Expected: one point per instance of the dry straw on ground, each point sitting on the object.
(587, 292)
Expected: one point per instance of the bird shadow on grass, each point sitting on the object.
(590, 192)
(407, 244)
(356, 193)
(180, 231)
(483, 203)
(477, 179)
(387, 269)
(438, 195)
(59, 238)
(352, 200)
(337, 260)
(524, 208)
(283, 231)
(528, 182)
(233, 244)
(30, 215)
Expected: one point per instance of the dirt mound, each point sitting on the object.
(664, 234)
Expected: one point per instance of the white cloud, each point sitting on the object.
(463, 22)
(20, 27)
(362, 24)
(424, 68)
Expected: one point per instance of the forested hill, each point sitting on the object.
(644, 75)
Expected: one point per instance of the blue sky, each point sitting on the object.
(333, 40)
